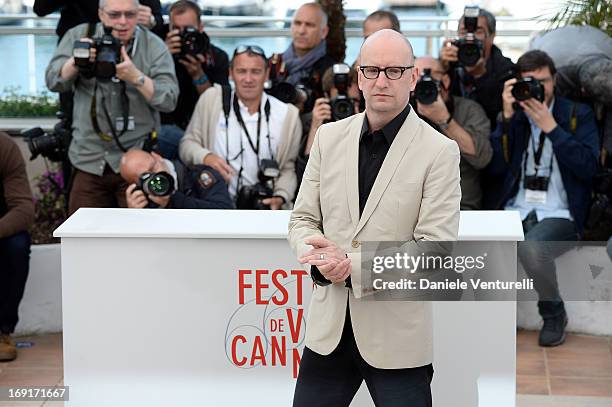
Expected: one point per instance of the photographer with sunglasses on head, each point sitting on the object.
(249, 137)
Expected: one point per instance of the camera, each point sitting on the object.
(536, 183)
(193, 42)
(156, 183)
(108, 55)
(470, 48)
(342, 106)
(251, 196)
(426, 90)
(527, 88)
(284, 91)
(54, 145)
(601, 208)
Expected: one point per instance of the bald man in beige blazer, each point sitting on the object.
(383, 175)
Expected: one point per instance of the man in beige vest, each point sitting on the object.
(383, 175)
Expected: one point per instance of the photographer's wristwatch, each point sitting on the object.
(444, 125)
(140, 81)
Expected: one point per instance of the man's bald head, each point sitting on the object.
(386, 41)
(385, 98)
(428, 62)
(135, 162)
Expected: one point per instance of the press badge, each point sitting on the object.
(119, 123)
(533, 196)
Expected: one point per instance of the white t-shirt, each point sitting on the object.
(241, 154)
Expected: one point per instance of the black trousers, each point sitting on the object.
(14, 267)
(333, 380)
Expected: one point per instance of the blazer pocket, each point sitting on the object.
(408, 198)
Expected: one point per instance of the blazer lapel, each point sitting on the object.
(394, 156)
(352, 168)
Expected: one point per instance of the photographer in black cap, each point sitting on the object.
(199, 65)
(545, 151)
(477, 67)
(156, 182)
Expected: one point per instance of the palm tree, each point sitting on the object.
(596, 13)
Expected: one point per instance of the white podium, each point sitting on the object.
(157, 312)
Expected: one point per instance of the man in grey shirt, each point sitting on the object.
(464, 121)
(144, 84)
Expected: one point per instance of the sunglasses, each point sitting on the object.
(241, 49)
(115, 15)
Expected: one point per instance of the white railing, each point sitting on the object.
(511, 31)
(526, 27)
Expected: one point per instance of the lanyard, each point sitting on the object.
(537, 154)
(241, 122)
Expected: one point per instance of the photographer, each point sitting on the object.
(160, 183)
(16, 217)
(476, 66)
(459, 119)
(379, 20)
(306, 58)
(249, 137)
(341, 101)
(122, 78)
(199, 65)
(75, 12)
(544, 155)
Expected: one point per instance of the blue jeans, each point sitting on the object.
(14, 268)
(537, 254)
(168, 140)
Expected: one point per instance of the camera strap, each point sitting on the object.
(537, 154)
(125, 109)
(254, 147)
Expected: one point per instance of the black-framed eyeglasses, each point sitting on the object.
(391, 72)
(241, 49)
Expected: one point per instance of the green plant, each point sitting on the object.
(14, 104)
(596, 13)
(49, 204)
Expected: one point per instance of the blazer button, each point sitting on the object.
(355, 244)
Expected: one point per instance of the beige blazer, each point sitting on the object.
(416, 196)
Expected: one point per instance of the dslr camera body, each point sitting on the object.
(471, 49)
(193, 42)
(284, 91)
(527, 88)
(108, 55)
(251, 196)
(342, 106)
(427, 88)
(54, 145)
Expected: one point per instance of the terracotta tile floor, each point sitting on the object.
(580, 367)
(577, 374)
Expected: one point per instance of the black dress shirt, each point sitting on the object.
(373, 148)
